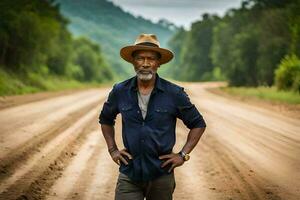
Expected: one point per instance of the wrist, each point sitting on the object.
(112, 149)
(185, 156)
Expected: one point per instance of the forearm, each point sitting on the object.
(109, 136)
(193, 138)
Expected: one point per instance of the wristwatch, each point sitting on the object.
(184, 155)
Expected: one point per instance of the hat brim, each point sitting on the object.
(126, 53)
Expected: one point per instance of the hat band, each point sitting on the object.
(148, 44)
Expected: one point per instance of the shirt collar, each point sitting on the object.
(157, 85)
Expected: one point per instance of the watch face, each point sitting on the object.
(186, 157)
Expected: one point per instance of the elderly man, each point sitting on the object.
(149, 106)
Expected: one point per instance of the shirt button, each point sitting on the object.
(138, 111)
(142, 140)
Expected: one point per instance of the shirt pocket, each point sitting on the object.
(127, 112)
(161, 116)
(126, 108)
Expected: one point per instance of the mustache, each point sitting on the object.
(142, 71)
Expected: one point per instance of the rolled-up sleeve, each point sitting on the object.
(187, 112)
(110, 109)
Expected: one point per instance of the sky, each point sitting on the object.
(179, 12)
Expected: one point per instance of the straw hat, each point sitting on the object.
(146, 42)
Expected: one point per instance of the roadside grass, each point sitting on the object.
(265, 93)
(14, 84)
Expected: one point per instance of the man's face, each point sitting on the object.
(145, 64)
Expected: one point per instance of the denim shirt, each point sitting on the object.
(147, 139)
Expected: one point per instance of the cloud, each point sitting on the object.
(178, 3)
(180, 12)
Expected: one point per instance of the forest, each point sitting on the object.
(35, 44)
(254, 45)
(55, 44)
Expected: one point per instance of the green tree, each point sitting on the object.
(87, 55)
(242, 69)
(29, 33)
(176, 43)
(274, 40)
(196, 61)
(35, 42)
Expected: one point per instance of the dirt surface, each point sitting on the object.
(286, 109)
(52, 148)
(15, 100)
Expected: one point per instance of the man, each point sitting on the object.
(149, 106)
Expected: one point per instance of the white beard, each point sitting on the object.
(144, 76)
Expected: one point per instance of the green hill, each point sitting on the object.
(111, 27)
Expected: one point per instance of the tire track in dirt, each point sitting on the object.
(75, 169)
(19, 115)
(289, 127)
(236, 157)
(40, 187)
(206, 162)
(242, 186)
(104, 179)
(99, 174)
(105, 174)
(14, 158)
(257, 146)
(17, 100)
(271, 143)
(190, 184)
(26, 176)
(86, 180)
(38, 162)
(23, 123)
(256, 186)
(259, 158)
(95, 178)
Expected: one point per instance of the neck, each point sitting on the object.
(145, 85)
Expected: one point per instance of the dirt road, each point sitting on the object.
(53, 148)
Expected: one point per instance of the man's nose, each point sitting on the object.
(146, 63)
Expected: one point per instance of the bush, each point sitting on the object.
(287, 76)
(74, 71)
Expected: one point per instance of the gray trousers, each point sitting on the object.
(161, 188)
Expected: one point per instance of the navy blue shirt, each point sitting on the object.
(147, 139)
